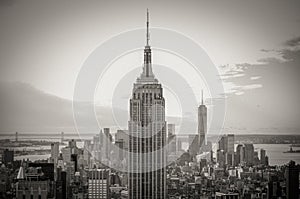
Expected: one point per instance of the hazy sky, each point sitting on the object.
(254, 44)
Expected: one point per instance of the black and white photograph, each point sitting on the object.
(138, 99)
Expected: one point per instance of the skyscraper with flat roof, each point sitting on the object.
(147, 131)
(292, 180)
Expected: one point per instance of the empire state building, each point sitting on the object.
(147, 134)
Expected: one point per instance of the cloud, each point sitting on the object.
(293, 42)
(267, 95)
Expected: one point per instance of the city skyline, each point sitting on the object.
(200, 104)
(250, 68)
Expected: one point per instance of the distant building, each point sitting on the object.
(171, 139)
(123, 135)
(98, 183)
(292, 180)
(107, 140)
(226, 145)
(240, 154)
(8, 157)
(120, 147)
(54, 152)
(263, 156)
(221, 157)
(230, 143)
(202, 122)
(249, 154)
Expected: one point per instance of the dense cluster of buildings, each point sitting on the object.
(136, 163)
(236, 171)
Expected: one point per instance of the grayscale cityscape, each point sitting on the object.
(148, 113)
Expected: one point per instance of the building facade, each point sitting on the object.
(147, 131)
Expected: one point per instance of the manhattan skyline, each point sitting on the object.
(258, 73)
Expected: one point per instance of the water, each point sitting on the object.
(276, 155)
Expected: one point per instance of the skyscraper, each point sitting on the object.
(171, 139)
(54, 152)
(263, 156)
(7, 157)
(107, 139)
(147, 130)
(249, 154)
(292, 180)
(240, 154)
(202, 122)
(98, 183)
(226, 145)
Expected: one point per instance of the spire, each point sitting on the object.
(147, 75)
(201, 96)
(147, 24)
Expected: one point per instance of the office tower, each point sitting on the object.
(74, 159)
(171, 129)
(66, 154)
(223, 143)
(240, 154)
(249, 154)
(226, 144)
(98, 183)
(230, 143)
(273, 191)
(221, 157)
(123, 135)
(120, 148)
(16, 136)
(171, 139)
(147, 131)
(61, 184)
(107, 139)
(230, 149)
(8, 157)
(202, 122)
(263, 156)
(87, 157)
(54, 152)
(292, 180)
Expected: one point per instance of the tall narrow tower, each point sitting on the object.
(147, 133)
(202, 122)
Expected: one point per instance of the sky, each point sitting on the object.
(253, 44)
